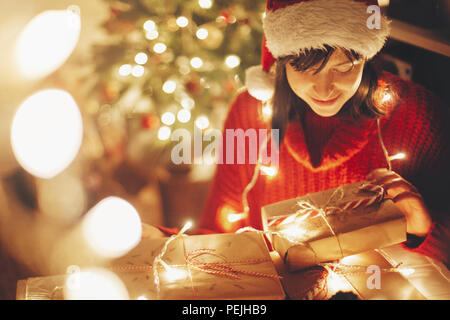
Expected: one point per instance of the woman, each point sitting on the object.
(339, 121)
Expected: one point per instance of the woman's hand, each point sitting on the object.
(149, 231)
(407, 199)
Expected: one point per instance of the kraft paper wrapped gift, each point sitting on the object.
(217, 266)
(309, 239)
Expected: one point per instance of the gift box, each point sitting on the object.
(332, 224)
(217, 266)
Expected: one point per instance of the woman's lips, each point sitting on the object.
(325, 103)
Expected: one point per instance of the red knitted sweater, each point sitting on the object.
(322, 153)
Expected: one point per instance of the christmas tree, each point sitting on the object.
(168, 65)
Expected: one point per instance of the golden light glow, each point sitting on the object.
(169, 86)
(202, 122)
(182, 21)
(164, 133)
(234, 217)
(47, 132)
(159, 47)
(187, 103)
(152, 35)
(196, 62)
(270, 171)
(47, 41)
(186, 227)
(400, 155)
(141, 58)
(125, 70)
(202, 33)
(386, 97)
(406, 271)
(205, 4)
(168, 118)
(112, 227)
(138, 71)
(184, 115)
(94, 284)
(149, 25)
(232, 61)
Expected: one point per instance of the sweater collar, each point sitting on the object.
(348, 138)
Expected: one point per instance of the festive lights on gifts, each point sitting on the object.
(47, 41)
(95, 284)
(47, 132)
(112, 227)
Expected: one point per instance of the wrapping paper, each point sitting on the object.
(308, 240)
(246, 252)
(217, 266)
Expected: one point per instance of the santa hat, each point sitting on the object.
(291, 27)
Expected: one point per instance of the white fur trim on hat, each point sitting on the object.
(313, 24)
(260, 84)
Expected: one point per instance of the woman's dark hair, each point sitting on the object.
(288, 106)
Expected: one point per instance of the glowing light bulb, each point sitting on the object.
(232, 61)
(47, 132)
(184, 115)
(386, 97)
(159, 47)
(138, 71)
(182, 21)
(202, 122)
(270, 171)
(125, 70)
(141, 58)
(400, 155)
(169, 86)
(234, 217)
(164, 133)
(149, 25)
(187, 103)
(94, 284)
(196, 62)
(202, 33)
(47, 41)
(168, 118)
(112, 227)
(406, 271)
(152, 35)
(186, 227)
(205, 4)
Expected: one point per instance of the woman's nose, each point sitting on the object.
(323, 86)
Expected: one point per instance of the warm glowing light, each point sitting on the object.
(164, 133)
(141, 58)
(149, 25)
(202, 122)
(234, 217)
(125, 70)
(182, 22)
(47, 41)
(398, 156)
(269, 171)
(173, 274)
(383, 3)
(152, 35)
(138, 71)
(186, 227)
(337, 283)
(112, 227)
(184, 115)
(202, 33)
(196, 62)
(386, 97)
(232, 61)
(168, 118)
(47, 132)
(94, 284)
(293, 232)
(159, 47)
(406, 271)
(142, 298)
(205, 4)
(187, 103)
(169, 86)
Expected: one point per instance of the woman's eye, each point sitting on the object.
(344, 68)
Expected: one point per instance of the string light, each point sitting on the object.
(141, 58)
(202, 33)
(168, 118)
(182, 21)
(387, 97)
(232, 61)
(184, 115)
(46, 133)
(47, 41)
(271, 171)
(149, 25)
(152, 35)
(159, 47)
(169, 86)
(202, 122)
(205, 4)
(196, 62)
(164, 133)
(125, 70)
(138, 71)
(397, 156)
(235, 217)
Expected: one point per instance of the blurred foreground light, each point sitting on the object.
(270, 171)
(125, 70)
(232, 61)
(182, 21)
(202, 122)
(398, 156)
(47, 41)
(141, 58)
(112, 227)
(168, 118)
(149, 25)
(94, 284)
(169, 86)
(196, 62)
(46, 133)
(205, 4)
(138, 71)
(202, 33)
(159, 47)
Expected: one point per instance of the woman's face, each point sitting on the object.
(328, 90)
